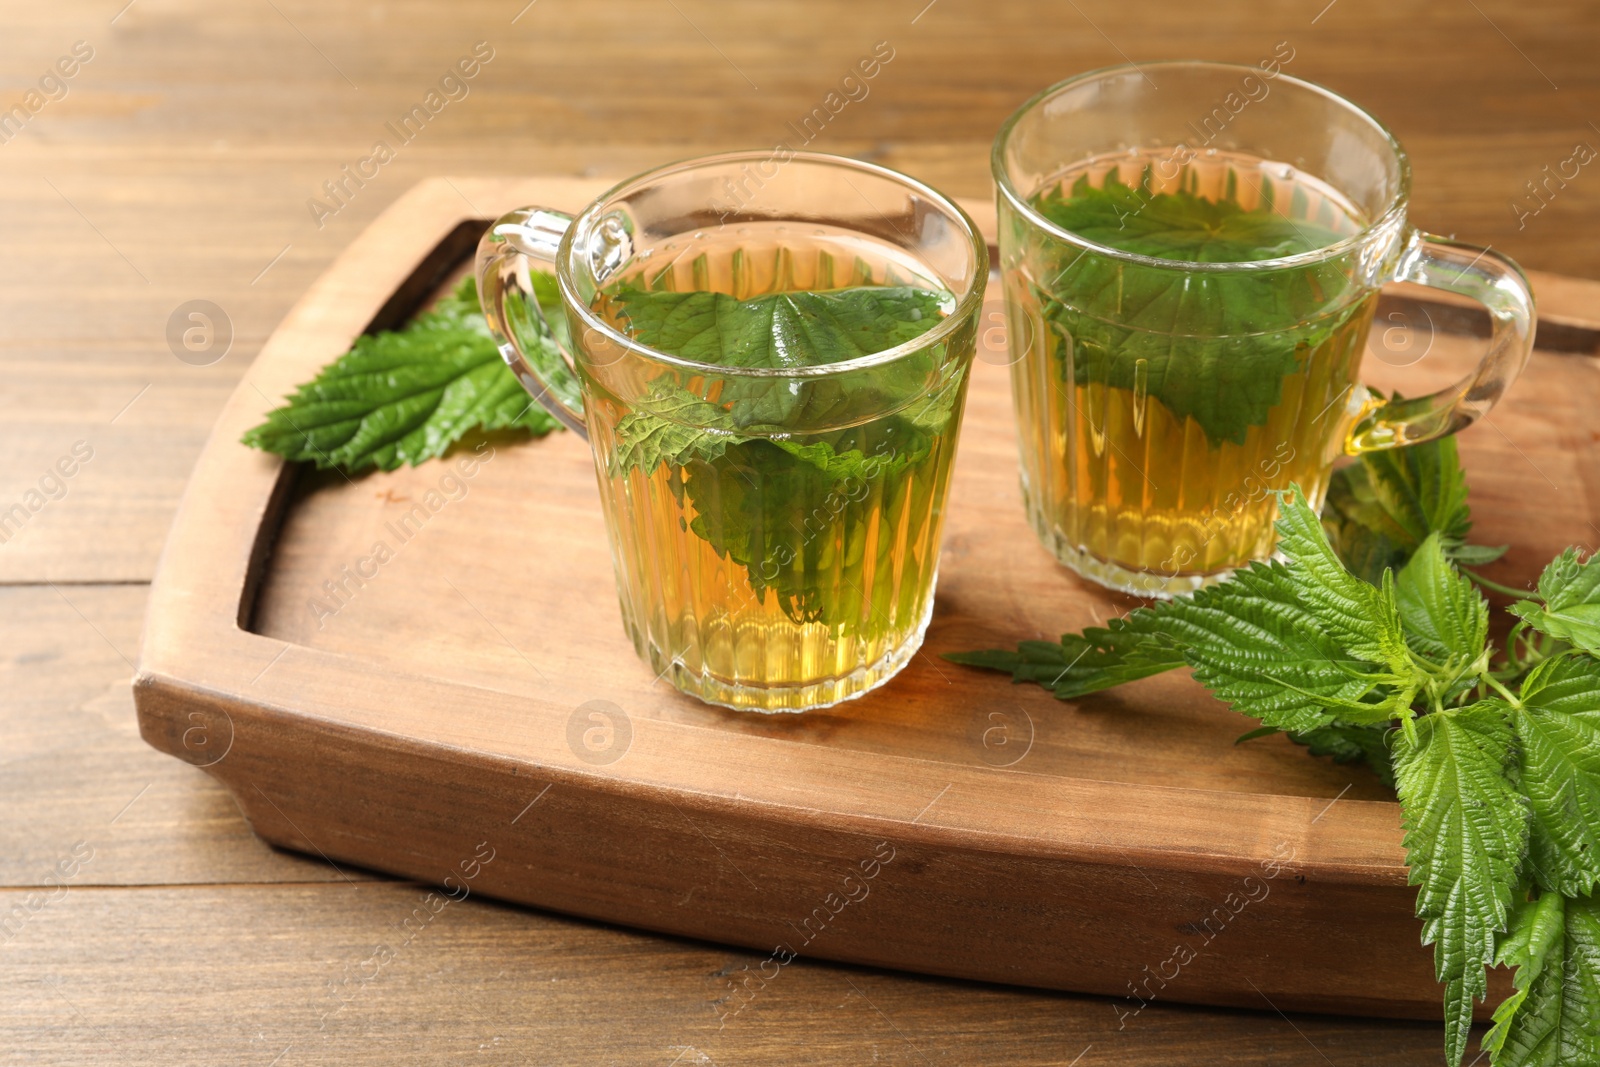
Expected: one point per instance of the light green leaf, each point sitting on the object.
(1297, 646)
(404, 396)
(1250, 641)
(1535, 932)
(1553, 1018)
(1466, 829)
(1535, 927)
(1446, 619)
(1422, 488)
(1558, 732)
(1254, 643)
(1361, 618)
(1569, 590)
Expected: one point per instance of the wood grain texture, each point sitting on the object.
(333, 974)
(192, 142)
(436, 701)
(237, 971)
(73, 768)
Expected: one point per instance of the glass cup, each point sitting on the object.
(1190, 274)
(775, 529)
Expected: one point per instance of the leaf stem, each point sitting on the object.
(1494, 683)
(1515, 660)
(1493, 586)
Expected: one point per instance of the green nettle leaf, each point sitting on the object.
(1254, 643)
(1446, 619)
(1422, 489)
(784, 331)
(764, 502)
(676, 428)
(1358, 616)
(404, 396)
(1553, 1018)
(1499, 797)
(761, 495)
(779, 330)
(1381, 508)
(1211, 347)
(1466, 828)
(1568, 604)
(1535, 932)
(1267, 642)
(1366, 537)
(1558, 731)
(1178, 226)
(1080, 664)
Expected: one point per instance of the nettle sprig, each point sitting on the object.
(1494, 751)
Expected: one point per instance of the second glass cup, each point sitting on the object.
(1190, 275)
(769, 359)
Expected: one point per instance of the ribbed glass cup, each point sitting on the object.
(1169, 385)
(788, 562)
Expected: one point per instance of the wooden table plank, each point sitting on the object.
(192, 142)
(332, 974)
(74, 769)
(247, 963)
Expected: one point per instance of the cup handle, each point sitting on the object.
(1499, 285)
(516, 240)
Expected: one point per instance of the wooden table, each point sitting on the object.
(178, 166)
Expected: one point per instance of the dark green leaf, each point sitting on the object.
(1209, 346)
(779, 330)
(676, 428)
(799, 524)
(404, 396)
(1558, 732)
(1366, 537)
(1466, 828)
(1178, 226)
(1099, 658)
(1381, 508)
(1476, 555)
(761, 486)
(1348, 742)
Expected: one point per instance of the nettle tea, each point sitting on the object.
(1162, 405)
(772, 526)
(772, 393)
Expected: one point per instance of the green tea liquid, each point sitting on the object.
(1158, 409)
(768, 576)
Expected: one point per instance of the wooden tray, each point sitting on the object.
(476, 697)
